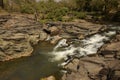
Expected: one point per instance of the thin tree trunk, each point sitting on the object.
(1, 4)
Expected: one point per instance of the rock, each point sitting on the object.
(112, 47)
(118, 37)
(74, 29)
(49, 78)
(76, 73)
(93, 68)
(53, 30)
(16, 36)
(43, 35)
(81, 36)
(55, 39)
(111, 50)
(4, 18)
(118, 55)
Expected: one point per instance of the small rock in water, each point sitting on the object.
(55, 39)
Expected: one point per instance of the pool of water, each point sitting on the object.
(31, 68)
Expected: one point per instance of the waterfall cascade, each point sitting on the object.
(90, 45)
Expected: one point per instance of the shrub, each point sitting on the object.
(27, 9)
(57, 14)
(79, 15)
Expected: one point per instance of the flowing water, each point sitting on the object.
(79, 48)
(46, 58)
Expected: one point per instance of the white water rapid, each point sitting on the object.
(90, 45)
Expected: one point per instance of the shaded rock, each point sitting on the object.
(118, 55)
(47, 31)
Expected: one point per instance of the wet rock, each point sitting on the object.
(55, 39)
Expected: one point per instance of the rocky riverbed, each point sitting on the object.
(103, 66)
(19, 34)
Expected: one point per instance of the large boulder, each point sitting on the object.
(92, 68)
(18, 34)
(111, 49)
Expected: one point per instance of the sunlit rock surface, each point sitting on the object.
(17, 35)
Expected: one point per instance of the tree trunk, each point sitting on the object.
(1, 4)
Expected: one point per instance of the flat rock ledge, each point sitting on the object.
(19, 34)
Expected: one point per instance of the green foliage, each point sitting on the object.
(79, 15)
(97, 5)
(27, 9)
(57, 11)
(57, 14)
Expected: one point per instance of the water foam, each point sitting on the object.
(90, 46)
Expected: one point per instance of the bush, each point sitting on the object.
(43, 21)
(79, 15)
(57, 14)
(27, 9)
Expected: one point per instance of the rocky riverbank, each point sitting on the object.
(103, 66)
(19, 33)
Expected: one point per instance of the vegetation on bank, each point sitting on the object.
(66, 10)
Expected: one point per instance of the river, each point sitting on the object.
(47, 59)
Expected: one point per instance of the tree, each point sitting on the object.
(1, 3)
(109, 5)
(97, 5)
